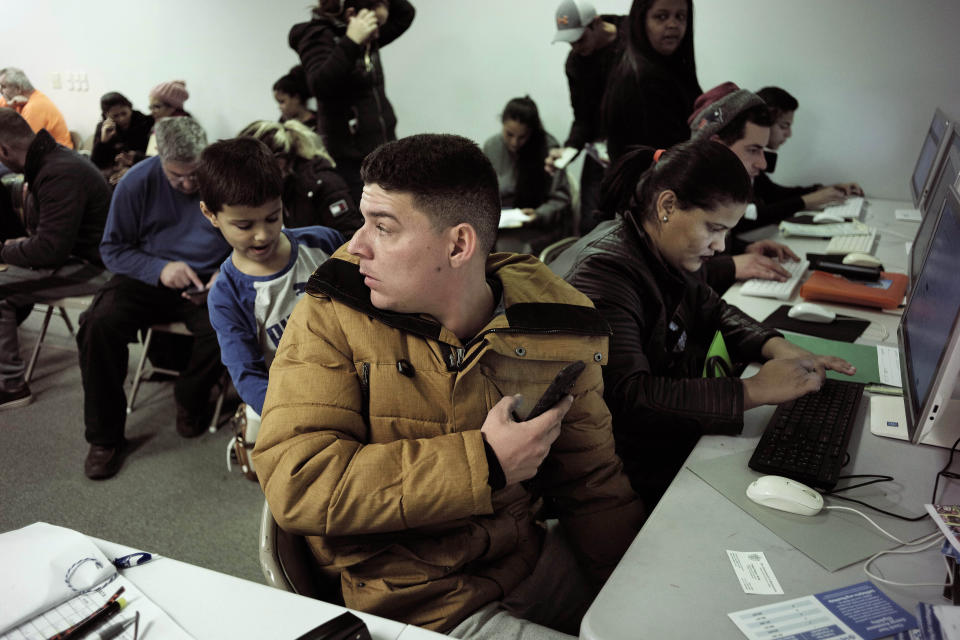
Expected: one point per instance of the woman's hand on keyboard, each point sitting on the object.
(782, 379)
(772, 249)
(753, 265)
(778, 348)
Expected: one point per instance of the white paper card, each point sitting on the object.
(910, 215)
(754, 572)
(888, 360)
(512, 218)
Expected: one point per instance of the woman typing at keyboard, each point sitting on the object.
(638, 270)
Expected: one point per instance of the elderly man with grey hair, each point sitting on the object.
(17, 92)
(165, 256)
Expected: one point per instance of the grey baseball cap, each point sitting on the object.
(573, 17)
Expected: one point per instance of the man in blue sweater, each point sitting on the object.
(159, 246)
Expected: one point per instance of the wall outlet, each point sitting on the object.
(55, 81)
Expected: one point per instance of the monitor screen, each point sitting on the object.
(930, 318)
(928, 223)
(928, 156)
(946, 178)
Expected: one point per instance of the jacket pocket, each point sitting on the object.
(363, 374)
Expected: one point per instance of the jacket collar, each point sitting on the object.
(522, 279)
(43, 143)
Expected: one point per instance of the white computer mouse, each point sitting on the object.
(825, 216)
(861, 260)
(785, 494)
(810, 312)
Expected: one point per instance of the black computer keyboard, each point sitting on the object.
(806, 439)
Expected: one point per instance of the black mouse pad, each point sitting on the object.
(844, 328)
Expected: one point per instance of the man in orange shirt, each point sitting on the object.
(36, 108)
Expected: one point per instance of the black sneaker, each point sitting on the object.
(103, 462)
(19, 397)
(190, 424)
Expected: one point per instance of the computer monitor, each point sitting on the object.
(929, 334)
(930, 154)
(944, 178)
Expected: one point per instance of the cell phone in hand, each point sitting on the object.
(566, 157)
(197, 295)
(560, 387)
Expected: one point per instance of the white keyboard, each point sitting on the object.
(849, 208)
(842, 245)
(774, 289)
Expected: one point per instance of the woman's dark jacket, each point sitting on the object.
(134, 138)
(314, 193)
(663, 322)
(354, 115)
(649, 107)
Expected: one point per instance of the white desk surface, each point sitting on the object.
(676, 581)
(212, 605)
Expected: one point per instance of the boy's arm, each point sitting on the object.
(233, 320)
(318, 469)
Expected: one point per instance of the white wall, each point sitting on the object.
(868, 73)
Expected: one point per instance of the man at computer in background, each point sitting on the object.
(594, 49)
(775, 202)
(17, 92)
(64, 215)
(389, 437)
(158, 244)
(740, 120)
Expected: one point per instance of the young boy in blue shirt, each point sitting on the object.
(261, 280)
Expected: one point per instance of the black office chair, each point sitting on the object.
(288, 564)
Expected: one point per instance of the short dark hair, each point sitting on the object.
(113, 99)
(14, 129)
(449, 177)
(778, 100)
(734, 130)
(294, 84)
(703, 174)
(238, 172)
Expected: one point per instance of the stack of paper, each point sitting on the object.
(53, 578)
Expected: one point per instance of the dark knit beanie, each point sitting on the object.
(717, 107)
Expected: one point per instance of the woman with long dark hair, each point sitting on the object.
(651, 91)
(638, 271)
(517, 154)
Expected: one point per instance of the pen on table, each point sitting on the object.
(104, 613)
(132, 560)
(114, 630)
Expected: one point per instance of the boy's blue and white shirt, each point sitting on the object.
(249, 313)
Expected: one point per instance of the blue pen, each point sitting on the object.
(132, 560)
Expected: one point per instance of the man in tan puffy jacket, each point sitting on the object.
(388, 435)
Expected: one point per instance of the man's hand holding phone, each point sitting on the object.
(521, 447)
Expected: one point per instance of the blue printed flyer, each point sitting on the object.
(850, 613)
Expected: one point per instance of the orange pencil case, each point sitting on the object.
(887, 293)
